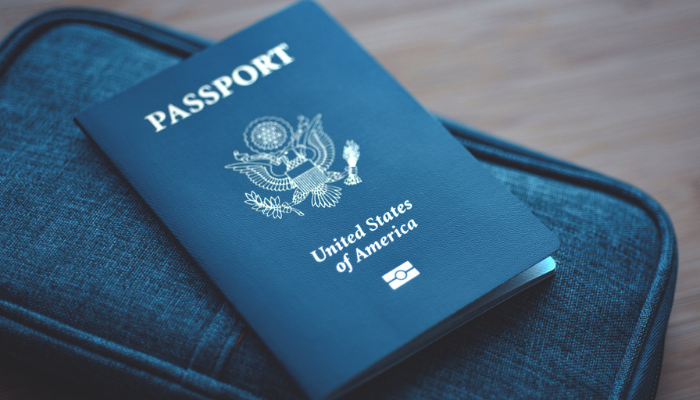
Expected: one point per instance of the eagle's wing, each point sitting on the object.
(260, 174)
(320, 143)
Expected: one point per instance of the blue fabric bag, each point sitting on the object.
(94, 290)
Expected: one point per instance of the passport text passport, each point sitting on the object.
(338, 217)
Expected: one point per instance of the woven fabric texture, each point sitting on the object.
(94, 289)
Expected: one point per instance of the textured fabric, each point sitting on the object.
(94, 289)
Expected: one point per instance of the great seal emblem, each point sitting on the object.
(286, 159)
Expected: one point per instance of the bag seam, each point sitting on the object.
(93, 344)
(633, 196)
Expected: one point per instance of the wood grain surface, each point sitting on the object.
(611, 85)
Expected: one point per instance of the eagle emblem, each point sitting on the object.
(285, 159)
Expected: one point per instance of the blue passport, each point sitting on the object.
(340, 219)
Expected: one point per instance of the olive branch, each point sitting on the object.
(270, 206)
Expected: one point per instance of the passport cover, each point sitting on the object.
(341, 220)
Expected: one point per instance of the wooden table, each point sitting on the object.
(611, 85)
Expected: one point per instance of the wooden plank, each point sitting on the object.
(613, 86)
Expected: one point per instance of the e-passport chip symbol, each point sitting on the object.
(400, 275)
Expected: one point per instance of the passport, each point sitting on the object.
(341, 220)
